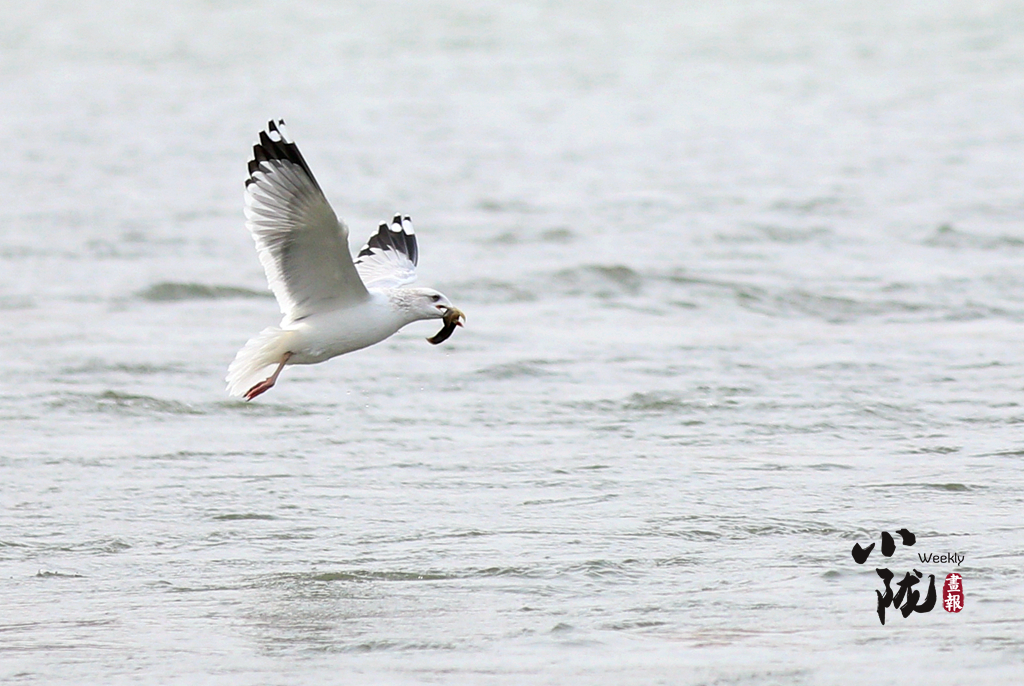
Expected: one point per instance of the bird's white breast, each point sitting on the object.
(335, 332)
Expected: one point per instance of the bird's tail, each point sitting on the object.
(253, 362)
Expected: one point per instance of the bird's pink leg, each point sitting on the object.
(268, 383)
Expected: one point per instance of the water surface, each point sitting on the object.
(744, 288)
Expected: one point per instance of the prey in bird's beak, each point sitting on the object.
(452, 318)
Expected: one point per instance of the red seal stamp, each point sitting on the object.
(953, 593)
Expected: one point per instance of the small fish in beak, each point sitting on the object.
(452, 318)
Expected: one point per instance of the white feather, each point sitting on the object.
(301, 244)
(254, 361)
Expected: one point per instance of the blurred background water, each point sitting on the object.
(744, 288)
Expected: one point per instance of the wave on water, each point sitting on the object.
(264, 409)
(557, 235)
(831, 308)
(602, 281)
(134, 405)
(115, 402)
(371, 575)
(774, 233)
(169, 291)
(243, 516)
(490, 291)
(661, 402)
(947, 236)
(96, 366)
(665, 291)
(16, 302)
(518, 369)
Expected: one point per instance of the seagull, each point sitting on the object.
(331, 305)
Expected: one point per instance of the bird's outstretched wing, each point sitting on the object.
(389, 258)
(301, 244)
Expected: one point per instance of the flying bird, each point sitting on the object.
(331, 304)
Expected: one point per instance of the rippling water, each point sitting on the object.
(744, 288)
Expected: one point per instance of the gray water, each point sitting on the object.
(744, 285)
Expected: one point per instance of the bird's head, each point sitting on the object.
(426, 303)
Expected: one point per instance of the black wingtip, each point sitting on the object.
(396, 238)
(274, 145)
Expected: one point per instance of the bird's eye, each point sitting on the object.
(435, 298)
